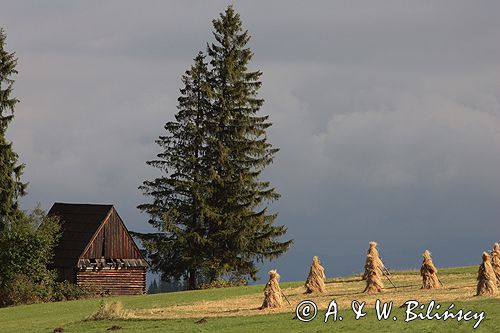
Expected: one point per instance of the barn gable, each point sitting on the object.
(96, 249)
(112, 241)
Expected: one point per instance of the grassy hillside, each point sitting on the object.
(236, 309)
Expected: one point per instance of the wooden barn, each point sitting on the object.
(96, 249)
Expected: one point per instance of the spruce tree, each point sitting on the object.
(241, 227)
(209, 205)
(11, 188)
(178, 209)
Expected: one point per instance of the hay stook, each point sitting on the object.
(373, 252)
(486, 279)
(273, 296)
(373, 275)
(315, 282)
(495, 261)
(428, 272)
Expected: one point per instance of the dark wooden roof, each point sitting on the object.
(81, 224)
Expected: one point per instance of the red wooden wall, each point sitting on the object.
(125, 281)
(112, 241)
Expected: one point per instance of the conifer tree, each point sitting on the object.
(210, 204)
(11, 188)
(178, 209)
(241, 227)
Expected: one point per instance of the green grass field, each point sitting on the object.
(235, 309)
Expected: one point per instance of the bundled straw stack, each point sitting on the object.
(486, 279)
(373, 275)
(428, 272)
(373, 252)
(272, 292)
(315, 282)
(495, 261)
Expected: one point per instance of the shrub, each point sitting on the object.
(65, 291)
(26, 248)
(22, 290)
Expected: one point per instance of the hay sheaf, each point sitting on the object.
(273, 296)
(486, 278)
(428, 272)
(373, 260)
(373, 275)
(315, 282)
(495, 261)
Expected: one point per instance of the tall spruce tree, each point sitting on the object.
(241, 228)
(11, 188)
(178, 206)
(210, 204)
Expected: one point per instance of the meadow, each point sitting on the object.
(237, 309)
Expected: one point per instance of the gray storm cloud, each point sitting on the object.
(387, 115)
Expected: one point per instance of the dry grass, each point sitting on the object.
(457, 287)
(107, 311)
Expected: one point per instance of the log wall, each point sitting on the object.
(125, 281)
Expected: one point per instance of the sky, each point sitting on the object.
(386, 113)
